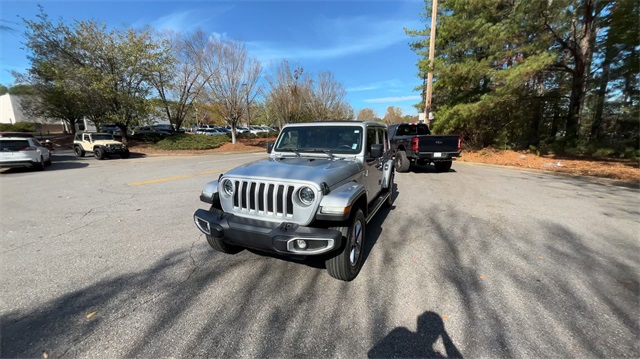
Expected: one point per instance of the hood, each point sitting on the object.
(314, 169)
(107, 142)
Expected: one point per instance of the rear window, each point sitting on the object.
(407, 130)
(13, 145)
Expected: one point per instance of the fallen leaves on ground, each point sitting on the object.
(619, 169)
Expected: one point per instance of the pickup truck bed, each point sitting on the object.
(414, 144)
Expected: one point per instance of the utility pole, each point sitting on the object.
(432, 45)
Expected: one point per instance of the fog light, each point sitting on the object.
(301, 243)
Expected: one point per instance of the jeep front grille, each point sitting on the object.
(264, 198)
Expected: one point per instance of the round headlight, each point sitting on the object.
(306, 196)
(227, 187)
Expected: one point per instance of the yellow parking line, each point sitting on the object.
(166, 179)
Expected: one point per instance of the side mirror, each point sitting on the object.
(269, 147)
(376, 150)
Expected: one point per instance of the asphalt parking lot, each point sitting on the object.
(101, 258)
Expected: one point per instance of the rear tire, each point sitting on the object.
(78, 151)
(402, 162)
(347, 264)
(40, 165)
(444, 166)
(125, 154)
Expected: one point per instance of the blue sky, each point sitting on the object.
(361, 42)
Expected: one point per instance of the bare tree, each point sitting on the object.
(288, 90)
(233, 78)
(327, 101)
(393, 115)
(181, 83)
(366, 114)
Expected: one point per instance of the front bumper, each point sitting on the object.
(116, 149)
(267, 236)
(437, 156)
(18, 163)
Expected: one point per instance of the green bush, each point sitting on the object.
(148, 137)
(18, 127)
(604, 152)
(185, 141)
(248, 135)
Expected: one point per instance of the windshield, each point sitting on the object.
(334, 139)
(101, 137)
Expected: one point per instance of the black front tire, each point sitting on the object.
(402, 162)
(219, 245)
(443, 166)
(98, 153)
(347, 264)
(78, 151)
(48, 162)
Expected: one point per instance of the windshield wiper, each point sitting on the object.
(317, 150)
(294, 150)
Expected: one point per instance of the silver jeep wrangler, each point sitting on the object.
(314, 195)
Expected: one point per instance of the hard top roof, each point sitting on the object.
(93, 133)
(340, 123)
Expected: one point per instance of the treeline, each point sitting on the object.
(557, 75)
(87, 70)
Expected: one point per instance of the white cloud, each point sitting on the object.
(387, 85)
(339, 37)
(362, 88)
(184, 20)
(393, 99)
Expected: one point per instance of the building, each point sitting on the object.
(11, 112)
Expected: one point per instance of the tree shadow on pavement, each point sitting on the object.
(403, 343)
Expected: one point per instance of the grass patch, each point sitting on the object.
(18, 127)
(191, 142)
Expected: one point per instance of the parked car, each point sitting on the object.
(112, 129)
(102, 145)
(210, 132)
(257, 129)
(164, 128)
(23, 152)
(312, 197)
(148, 130)
(239, 129)
(413, 143)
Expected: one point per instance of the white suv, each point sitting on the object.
(23, 152)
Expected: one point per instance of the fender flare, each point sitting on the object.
(210, 192)
(338, 203)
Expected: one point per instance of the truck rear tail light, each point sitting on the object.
(459, 143)
(29, 149)
(414, 144)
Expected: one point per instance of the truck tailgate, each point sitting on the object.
(431, 143)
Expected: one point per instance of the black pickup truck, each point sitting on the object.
(413, 143)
